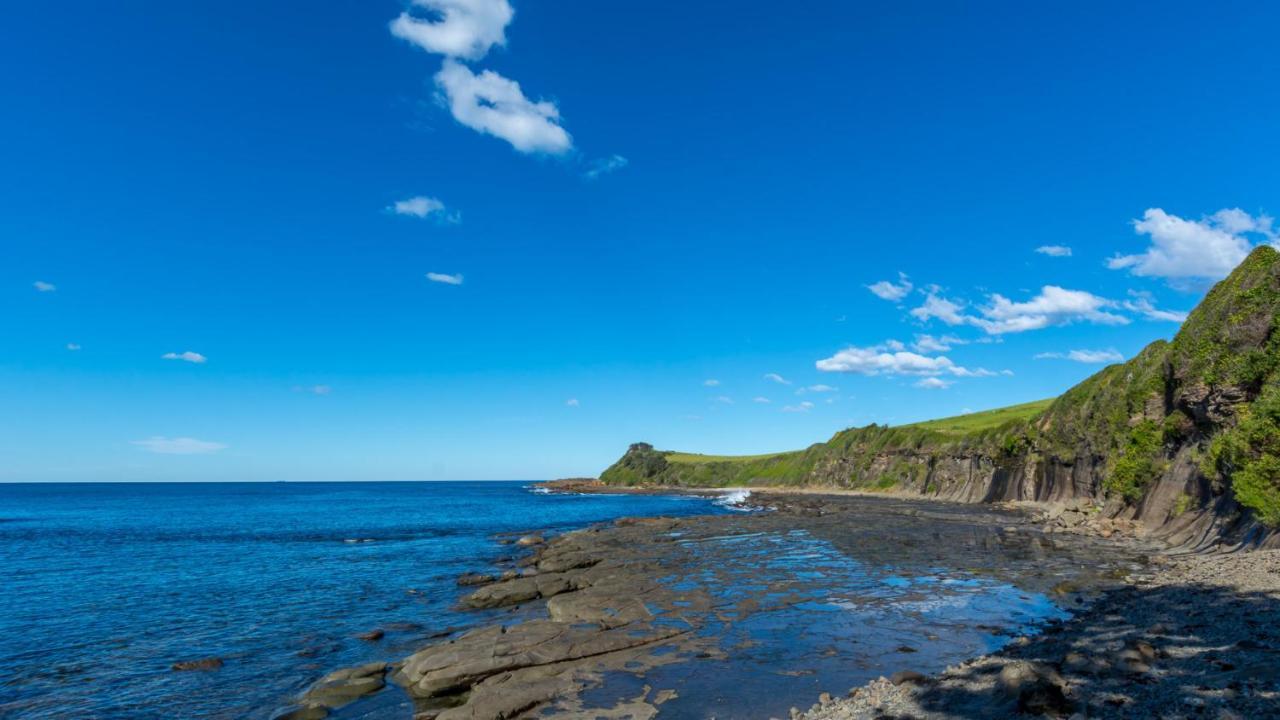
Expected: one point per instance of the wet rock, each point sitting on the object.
(371, 636)
(530, 541)
(209, 663)
(470, 579)
(906, 649)
(341, 687)
(521, 589)
(561, 562)
(301, 713)
(508, 592)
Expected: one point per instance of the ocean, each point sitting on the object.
(106, 586)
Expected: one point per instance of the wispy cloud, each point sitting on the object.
(887, 290)
(188, 356)
(1054, 250)
(178, 446)
(775, 377)
(455, 28)
(1084, 356)
(711, 382)
(313, 389)
(724, 400)
(801, 407)
(1182, 251)
(445, 278)
(931, 344)
(761, 399)
(572, 402)
(42, 286)
(934, 383)
(422, 206)
(604, 166)
(73, 346)
(819, 388)
(1142, 303)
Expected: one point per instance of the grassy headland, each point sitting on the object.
(1200, 414)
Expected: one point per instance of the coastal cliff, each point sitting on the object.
(1184, 437)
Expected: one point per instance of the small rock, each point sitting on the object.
(371, 636)
(209, 663)
(530, 541)
(907, 676)
(906, 649)
(468, 579)
(824, 699)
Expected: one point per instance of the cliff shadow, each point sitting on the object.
(1173, 651)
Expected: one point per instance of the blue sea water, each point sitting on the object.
(105, 586)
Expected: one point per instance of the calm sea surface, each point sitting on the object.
(104, 586)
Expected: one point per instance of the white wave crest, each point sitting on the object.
(735, 499)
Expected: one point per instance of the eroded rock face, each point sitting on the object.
(1210, 405)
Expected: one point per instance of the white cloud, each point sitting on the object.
(887, 290)
(711, 382)
(933, 383)
(422, 206)
(572, 402)
(42, 286)
(936, 306)
(805, 406)
(178, 446)
(819, 388)
(604, 166)
(879, 360)
(1053, 306)
(490, 103)
(724, 400)
(1142, 304)
(188, 356)
(1084, 356)
(73, 346)
(761, 399)
(775, 377)
(455, 279)
(456, 28)
(1182, 249)
(931, 344)
(1054, 250)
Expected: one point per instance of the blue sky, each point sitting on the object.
(220, 223)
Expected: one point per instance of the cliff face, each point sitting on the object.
(1185, 436)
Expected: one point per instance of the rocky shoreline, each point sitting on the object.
(1198, 636)
(595, 620)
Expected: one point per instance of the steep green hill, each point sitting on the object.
(1197, 418)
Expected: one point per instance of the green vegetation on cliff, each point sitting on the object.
(1214, 390)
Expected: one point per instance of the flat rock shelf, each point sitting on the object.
(744, 615)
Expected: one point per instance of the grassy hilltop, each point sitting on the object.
(1199, 414)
